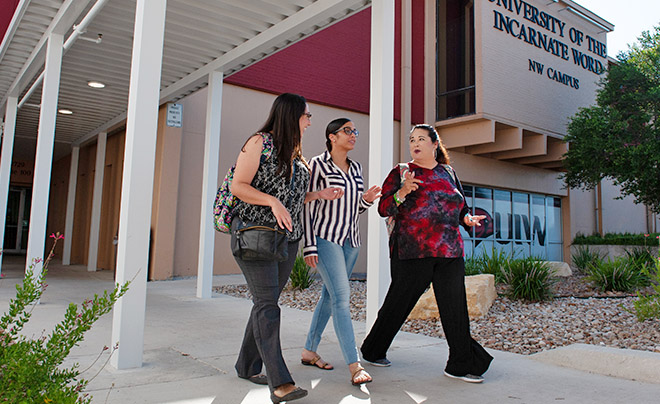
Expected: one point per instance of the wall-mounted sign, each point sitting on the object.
(22, 172)
(574, 48)
(174, 115)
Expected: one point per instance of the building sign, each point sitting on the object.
(572, 47)
(174, 115)
(21, 172)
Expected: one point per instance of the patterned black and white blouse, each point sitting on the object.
(268, 181)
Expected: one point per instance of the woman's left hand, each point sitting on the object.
(331, 193)
(473, 220)
(371, 194)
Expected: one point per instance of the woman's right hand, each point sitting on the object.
(312, 260)
(281, 214)
(410, 184)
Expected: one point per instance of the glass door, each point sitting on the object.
(18, 217)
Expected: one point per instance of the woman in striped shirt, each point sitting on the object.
(332, 243)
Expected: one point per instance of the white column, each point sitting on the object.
(5, 164)
(70, 205)
(406, 78)
(381, 138)
(430, 61)
(97, 198)
(209, 185)
(138, 182)
(43, 159)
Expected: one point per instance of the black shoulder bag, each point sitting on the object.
(260, 242)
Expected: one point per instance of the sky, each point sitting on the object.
(630, 18)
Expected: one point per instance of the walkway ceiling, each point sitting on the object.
(200, 36)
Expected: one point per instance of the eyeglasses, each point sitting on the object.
(308, 115)
(348, 131)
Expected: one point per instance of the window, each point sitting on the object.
(455, 93)
(518, 223)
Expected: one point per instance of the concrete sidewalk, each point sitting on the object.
(190, 347)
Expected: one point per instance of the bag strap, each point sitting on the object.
(451, 172)
(403, 169)
(267, 149)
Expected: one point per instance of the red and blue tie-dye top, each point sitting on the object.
(426, 223)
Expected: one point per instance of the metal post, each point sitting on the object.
(209, 184)
(381, 138)
(138, 182)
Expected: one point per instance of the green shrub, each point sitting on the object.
(301, 275)
(647, 307)
(529, 279)
(583, 257)
(642, 260)
(30, 368)
(620, 274)
(617, 239)
(493, 263)
(472, 266)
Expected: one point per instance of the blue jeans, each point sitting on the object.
(335, 266)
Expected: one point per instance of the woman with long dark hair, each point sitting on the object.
(272, 189)
(426, 247)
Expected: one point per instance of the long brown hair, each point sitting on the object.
(441, 155)
(283, 124)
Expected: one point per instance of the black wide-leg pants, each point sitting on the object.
(410, 278)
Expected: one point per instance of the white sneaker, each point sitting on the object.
(467, 378)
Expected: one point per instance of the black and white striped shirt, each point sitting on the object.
(334, 220)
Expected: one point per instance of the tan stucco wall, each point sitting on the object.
(109, 225)
(190, 185)
(621, 215)
(165, 199)
(583, 209)
(59, 184)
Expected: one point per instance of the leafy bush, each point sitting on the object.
(647, 307)
(529, 279)
(641, 259)
(583, 257)
(472, 266)
(493, 263)
(30, 368)
(301, 275)
(620, 274)
(616, 239)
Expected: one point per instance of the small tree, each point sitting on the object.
(619, 137)
(31, 368)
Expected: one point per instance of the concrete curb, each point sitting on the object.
(622, 363)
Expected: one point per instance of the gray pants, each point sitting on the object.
(261, 343)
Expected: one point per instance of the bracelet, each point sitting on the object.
(397, 199)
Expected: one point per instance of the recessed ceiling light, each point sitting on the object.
(65, 111)
(95, 84)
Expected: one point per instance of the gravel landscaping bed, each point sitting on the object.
(581, 315)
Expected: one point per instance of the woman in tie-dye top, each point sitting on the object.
(427, 203)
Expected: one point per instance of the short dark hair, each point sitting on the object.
(441, 156)
(333, 127)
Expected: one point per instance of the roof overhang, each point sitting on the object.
(201, 36)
